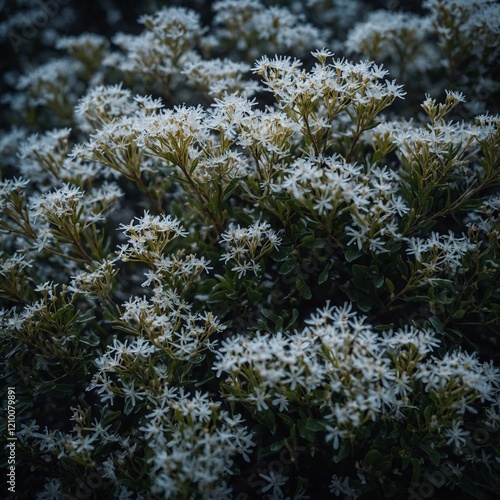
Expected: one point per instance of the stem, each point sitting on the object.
(142, 187)
(357, 135)
(310, 135)
(202, 199)
(400, 294)
(464, 197)
(74, 237)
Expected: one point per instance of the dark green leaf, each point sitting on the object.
(230, 188)
(343, 452)
(353, 253)
(401, 266)
(219, 296)
(243, 217)
(295, 315)
(432, 454)
(269, 314)
(110, 417)
(83, 318)
(384, 327)
(286, 418)
(308, 238)
(303, 288)
(436, 324)
(62, 390)
(325, 273)
(271, 449)
(305, 432)
(415, 477)
(267, 418)
(288, 266)
(390, 285)
(284, 253)
(472, 488)
(314, 425)
(377, 462)
(44, 387)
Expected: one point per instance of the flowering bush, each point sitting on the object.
(235, 265)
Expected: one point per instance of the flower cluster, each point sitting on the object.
(246, 246)
(159, 51)
(341, 366)
(251, 28)
(397, 37)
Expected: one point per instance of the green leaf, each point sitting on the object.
(271, 449)
(372, 124)
(267, 418)
(279, 324)
(243, 217)
(417, 471)
(91, 340)
(44, 387)
(129, 407)
(303, 288)
(253, 295)
(302, 484)
(308, 238)
(366, 303)
(436, 324)
(293, 319)
(390, 285)
(472, 488)
(459, 313)
(401, 266)
(215, 297)
(353, 253)
(269, 314)
(305, 432)
(83, 318)
(284, 253)
(377, 462)
(343, 452)
(110, 417)
(277, 320)
(230, 188)
(319, 243)
(62, 390)
(288, 266)
(325, 273)
(63, 313)
(432, 453)
(384, 327)
(286, 418)
(197, 358)
(366, 278)
(314, 425)
(428, 411)
(443, 282)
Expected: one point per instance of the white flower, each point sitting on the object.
(148, 237)
(456, 434)
(340, 485)
(274, 482)
(52, 490)
(281, 402)
(103, 104)
(335, 434)
(245, 246)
